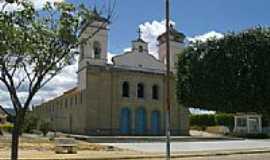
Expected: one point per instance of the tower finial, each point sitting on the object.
(95, 10)
(140, 33)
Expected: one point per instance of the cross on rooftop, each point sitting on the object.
(140, 32)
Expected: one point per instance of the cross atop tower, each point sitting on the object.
(140, 33)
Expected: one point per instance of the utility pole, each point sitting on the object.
(168, 91)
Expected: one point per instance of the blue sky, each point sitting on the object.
(192, 17)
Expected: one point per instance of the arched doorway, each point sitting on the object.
(140, 122)
(125, 121)
(155, 123)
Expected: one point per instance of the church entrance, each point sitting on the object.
(155, 123)
(125, 121)
(140, 122)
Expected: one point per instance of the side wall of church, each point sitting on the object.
(65, 113)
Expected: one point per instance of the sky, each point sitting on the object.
(192, 17)
(197, 19)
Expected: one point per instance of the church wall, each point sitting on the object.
(175, 48)
(97, 110)
(132, 102)
(138, 60)
(180, 119)
(88, 48)
(65, 113)
(82, 79)
(98, 101)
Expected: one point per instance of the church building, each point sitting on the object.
(126, 97)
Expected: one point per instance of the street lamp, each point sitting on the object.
(168, 100)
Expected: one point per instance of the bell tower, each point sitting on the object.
(176, 46)
(93, 47)
(139, 45)
(94, 35)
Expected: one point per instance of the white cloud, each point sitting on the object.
(127, 49)
(204, 37)
(37, 3)
(110, 56)
(40, 3)
(150, 32)
(200, 111)
(8, 7)
(67, 79)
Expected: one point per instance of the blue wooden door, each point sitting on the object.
(155, 122)
(125, 121)
(140, 122)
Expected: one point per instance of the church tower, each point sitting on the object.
(176, 46)
(139, 45)
(94, 34)
(93, 50)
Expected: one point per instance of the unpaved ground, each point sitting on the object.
(38, 147)
(50, 155)
(39, 143)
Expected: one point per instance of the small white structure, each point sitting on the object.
(247, 123)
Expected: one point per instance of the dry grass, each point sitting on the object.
(44, 144)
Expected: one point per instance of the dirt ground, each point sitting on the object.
(38, 147)
(40, 143)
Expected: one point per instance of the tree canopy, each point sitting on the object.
(231, 74)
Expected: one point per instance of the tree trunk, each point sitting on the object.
(16, 135)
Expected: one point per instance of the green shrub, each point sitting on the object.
(224, 119)
(6, 127)
(10, 119)
(30, 123)
(257, 136)
(265, 122)
(253, 136)
(206, 120)
(203, 120)
(45, 127)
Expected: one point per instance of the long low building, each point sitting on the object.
(126, 97)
